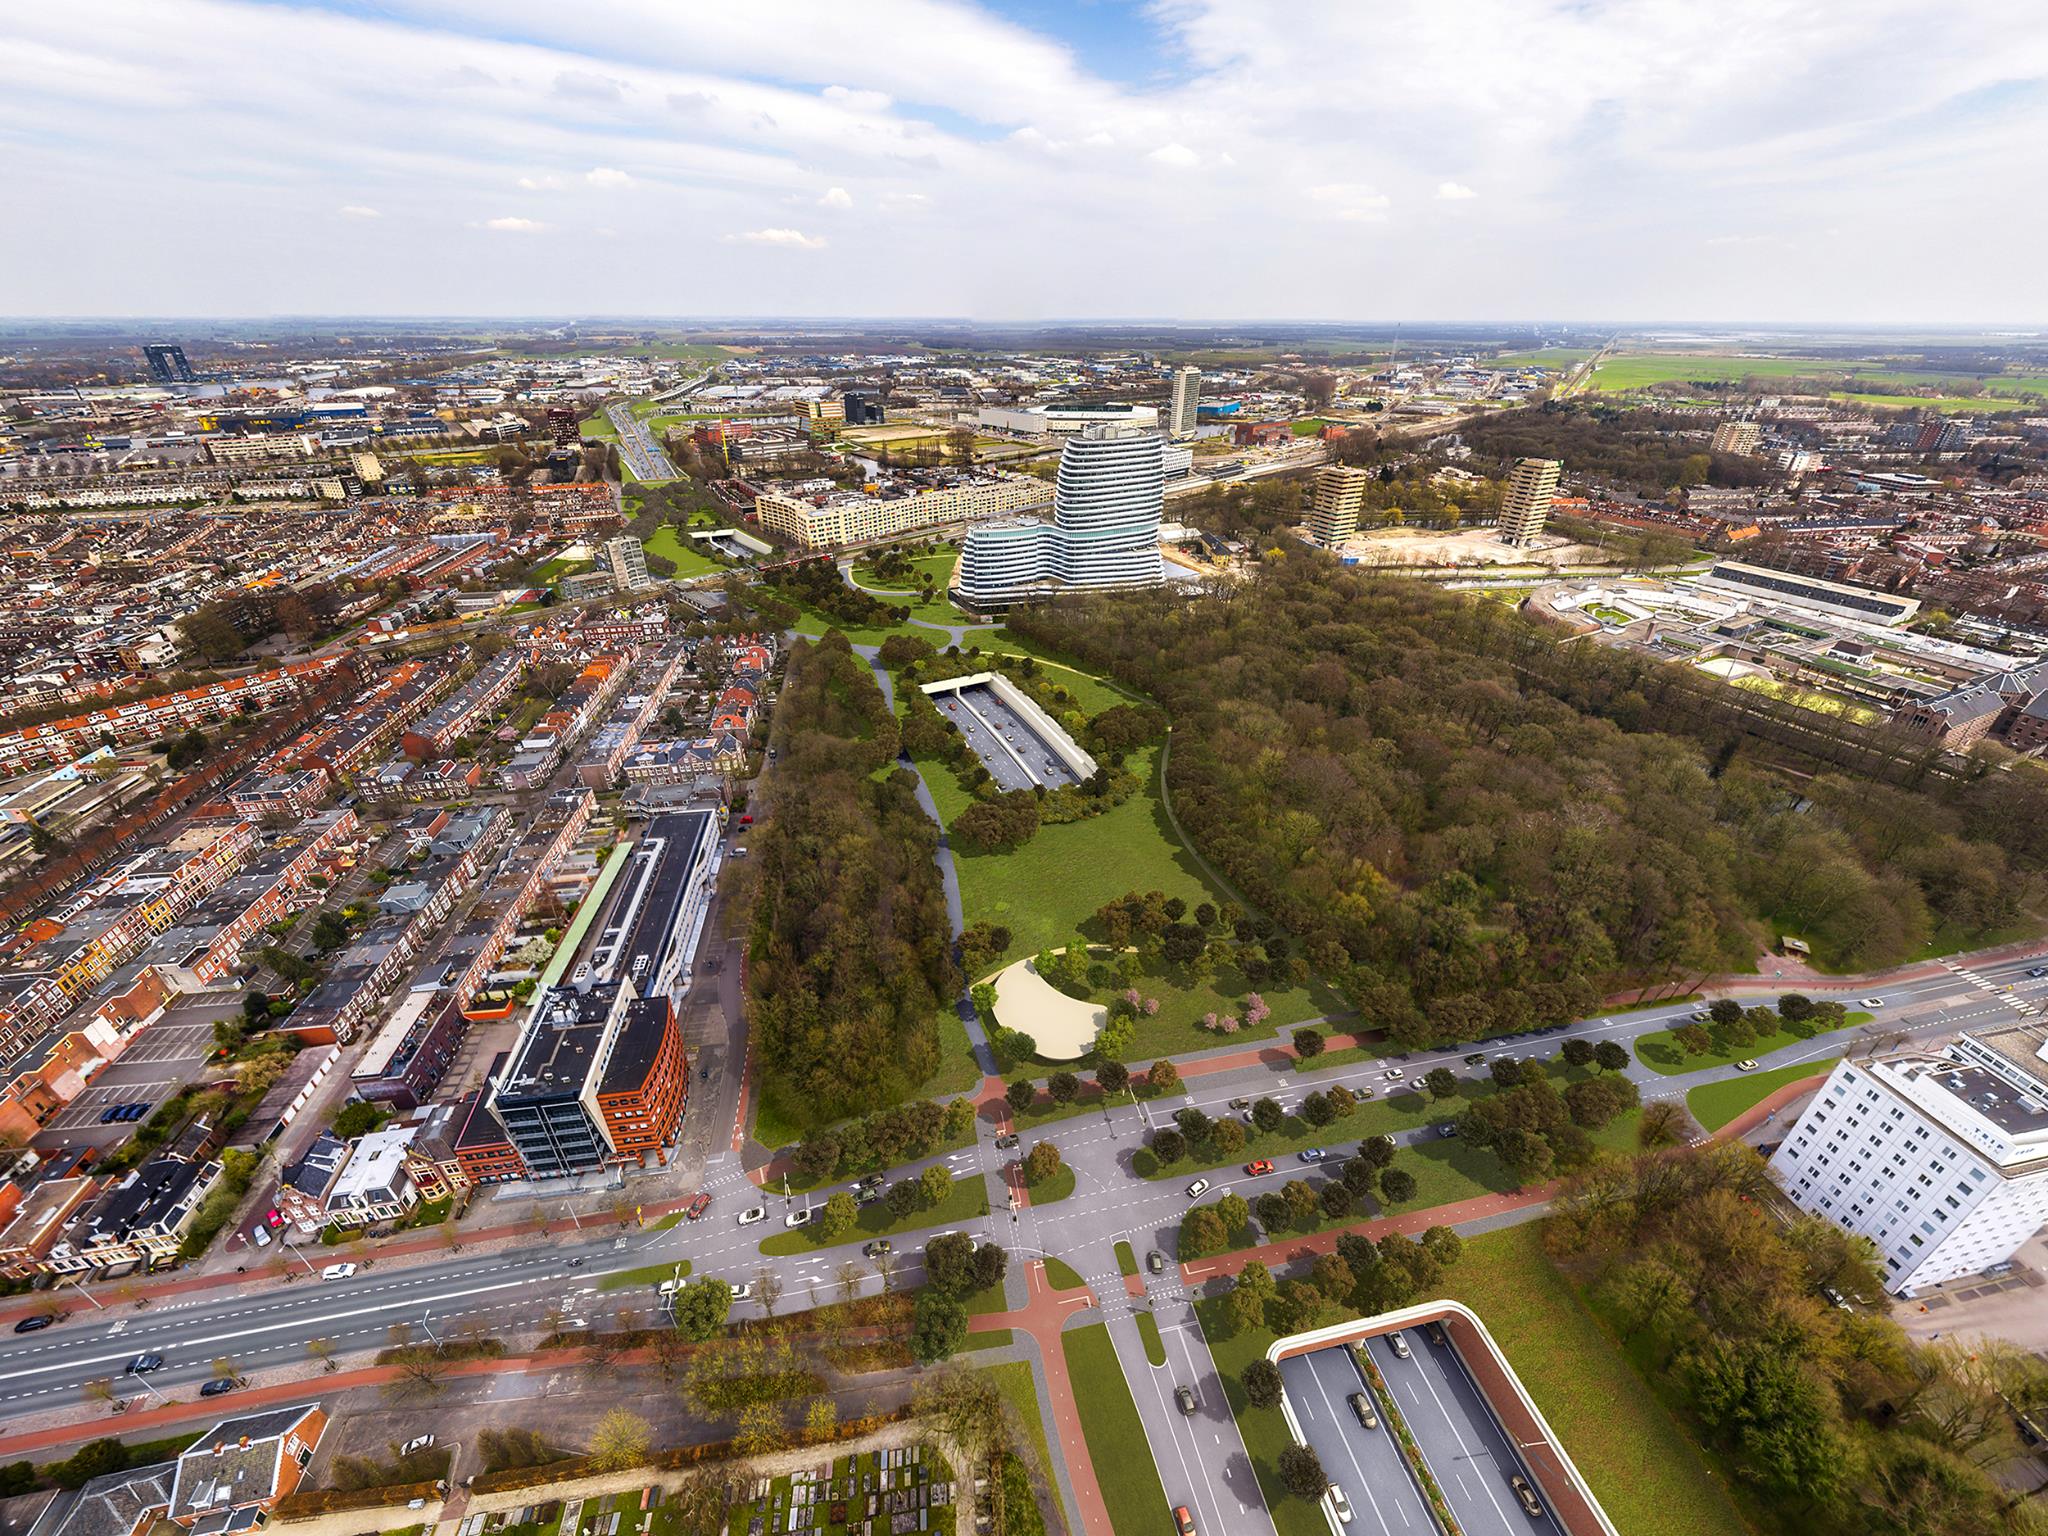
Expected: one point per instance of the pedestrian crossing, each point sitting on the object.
(2003, 994)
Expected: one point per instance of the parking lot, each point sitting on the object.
(1016, 756)
(164, 1057)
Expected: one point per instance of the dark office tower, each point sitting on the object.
(863, 408)
(562, 426)
(167, 362)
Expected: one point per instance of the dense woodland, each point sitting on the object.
(1832, 1419)
(1472, 828)
(1638, 450)
(849, 956)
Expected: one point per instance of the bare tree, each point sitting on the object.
(850, 1277)
(322, 1350)
(98, 1390)
(767, 1289)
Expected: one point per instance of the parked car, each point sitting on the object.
(416, 1443)
(1311, 1154)
(1156, 1262)
(1185, 1396)
(34, 1324)
(219, 1385)
(1258, 1166)
(747, 820)
(273, 1219)
(741, 1291)
(1362, 1406)
(1240, 1103)
(752, 1214)
(1339, 1505)
(260, 1236)
(1745, 1065)
(110, 1114)
(1474, 1058)
(1398, 1342)
(337, 1271)
(1437, 1336)
(1531, 1505)
(142, 1365)
(699, 1204)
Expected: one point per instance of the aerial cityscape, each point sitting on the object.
(726, 808)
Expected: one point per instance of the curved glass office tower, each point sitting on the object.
(1104, 532)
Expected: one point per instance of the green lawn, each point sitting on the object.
(1638, 1462)
(1054, 1189)
(1641, 369)
(689, 561)
(1060, 1275)
(1715, 1104)
(645, 1274)
(968, 1200)
(1126, 1261)
(995, 1338)
(1148, 1330)
(1658, 1051)
(1109, 1419)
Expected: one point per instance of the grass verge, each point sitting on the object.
(645, 1274)
(1660, 1051)
(1060, 1275)
(1148, 1330)
(1126, 1261)
(995, 1338)
(1054, 1189)
(1715, 1104)
(968, 1200)
(1109, 1420)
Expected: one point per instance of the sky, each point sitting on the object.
(1795, 161)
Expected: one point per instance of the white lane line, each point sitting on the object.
(1350, 1454)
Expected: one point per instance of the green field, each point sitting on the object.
(968, 1200)
(1660, 1052)
(688, 559)
(1109, 1419)
(1715, 1104)
(1544, 357)
(1639, 370)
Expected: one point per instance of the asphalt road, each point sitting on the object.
(645, 458)
(1365, 1463)
(269, 1323)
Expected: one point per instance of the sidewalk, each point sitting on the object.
(1042, 1317)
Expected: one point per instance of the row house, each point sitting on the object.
(140, 1220)
(683, 762)
(411, 1051)
(295, 792)
(35, 1224)
(373, 720)
(435, 732)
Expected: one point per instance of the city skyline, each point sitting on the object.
(1213, 160)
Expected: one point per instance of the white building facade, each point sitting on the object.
(1941, 1163)
(1107, 503)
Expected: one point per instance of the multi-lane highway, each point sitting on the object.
(510, 1289)
(645, 458)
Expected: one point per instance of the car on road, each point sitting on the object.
(1185, 1397)
(1747, 1064)
(797, 1217)
(1700, 1016)
(1240, 1103)
(741, 1291)
(1183, 1522)
(1447, 1128)
(1339, 1505)
(1311, 1154)
(337, 1271)
(1156, 1262)
(142, 1365)
(1006, 1141)
(1258, 1166)
(699, 1204)
(1476, 1057)
(2037, 971)
(1198, 1189)
(879, 1246)
(1531, 1505)
(1393, 1074)
(1362, 1406)
(752, 1214)
(1437, 1336)
(34, 1324)
(218, 1386)
(1872, 1003)
(416, 1443)
(1398, 1343)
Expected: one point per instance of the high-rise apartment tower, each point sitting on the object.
(1532, 486)
(1339, 497)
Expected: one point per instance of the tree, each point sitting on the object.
(850, 1277)
(1443, 1245)
(1022, 1094)
(1301, 1472)
(1610, 1056)
(902, 1198)
(1308, 1044)
(1397, 1186)
(1578, 1052)
(767, 1289)
(759, 1430)
(821, 1421)
(1663, 1124)
(1525, 1153)
(1227, 1137)
(1377, 1151)
(1336, 1201)
(323, 1351)
(1693, 1039)
(1272, 1209)
(1268, 1116)
(838, 1216)
(1262, 1384)
(949, 1264)
(934, 1185)
(622, 1439)
(357, 1119)
(1163, 1077)
(1724, 1011)
(1062, 1086)
(991, 1263)
(1042, 1162)
(1168, 1145)
(1441, 1082)
(938, 1327)
(1112, 1077)
(1202, 1233)
(1315, 1109)
(1300, 1196)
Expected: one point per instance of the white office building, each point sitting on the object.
(1182, 409)
(1942, 1162)
(1104, 533)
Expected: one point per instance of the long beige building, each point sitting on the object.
(1532, 486)
(835, 519)
(1339, 497)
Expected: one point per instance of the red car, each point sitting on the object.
(699, 1205)
(275, 1218)
(1183, 1522)
(747, 820)
(1263, 1165)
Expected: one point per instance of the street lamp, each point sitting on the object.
(286, 1239)
(78, 1285)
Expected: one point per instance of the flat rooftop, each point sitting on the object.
(560, 1043)
(637, 929)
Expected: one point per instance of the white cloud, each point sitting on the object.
(836, 197)
(793, 239)
(511, 225)
(358, 211)
(1174, 154)
(1350, 200)
(1453, 192)
(605, 176)
(858, 101)
(548, 183)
